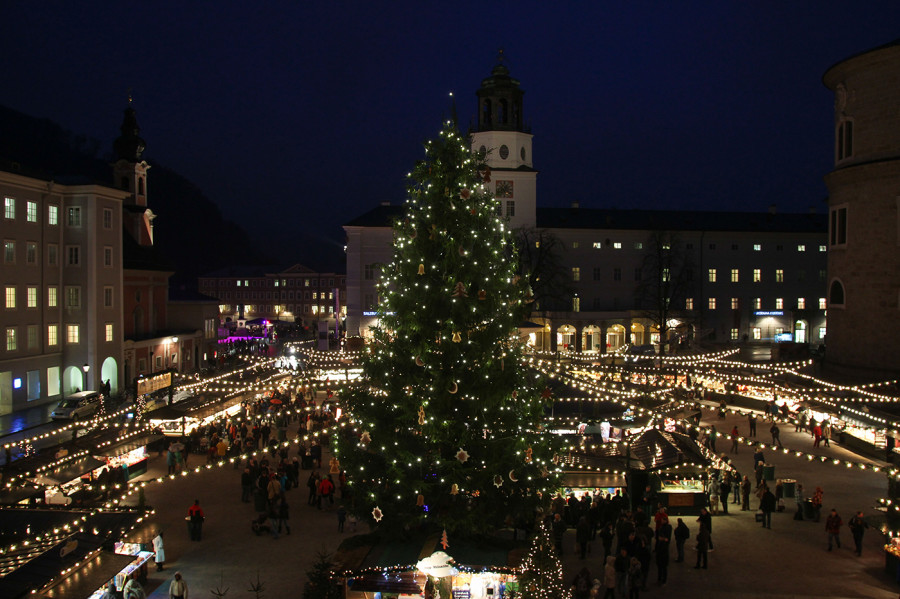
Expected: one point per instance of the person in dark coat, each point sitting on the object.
(663, 540)
(682, 534)
(559, 529)
(703, 546)
(583, 536)
(858, 526)
(705, 519)
(767, 504)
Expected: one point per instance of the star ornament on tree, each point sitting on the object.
(498, 481)
(462, 455)
(377, 514)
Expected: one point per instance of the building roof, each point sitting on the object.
(262, 271)
(673, 220)
(181, 293)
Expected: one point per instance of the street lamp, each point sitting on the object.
(86, 368)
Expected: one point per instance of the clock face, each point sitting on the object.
(504, 152)
(504, 189)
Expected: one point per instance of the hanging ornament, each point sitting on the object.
(365, 438)
(421, 415)
(515, 394)
(457, 338)
(460, 290)
(432, 235)
(556, 459)
(516, 279)
(420, 500)
(498, 481)
(334, 466)
(445, 542)
(420, 361)
(421, 268)
(462, 455)
(482, 294)
(465, 193)
(377, 514)
(486, 174)
(454, 489)
(462, 251)
(544, 472)
(512, 476)
(546, 393)
(472, 212)
(528, 453)
(453, 388)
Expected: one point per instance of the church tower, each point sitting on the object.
(130, 174)
(501, 133)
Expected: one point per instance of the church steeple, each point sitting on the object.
(130, 174)
(500, 101)
(129, 145)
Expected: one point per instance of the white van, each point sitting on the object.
(78, 405)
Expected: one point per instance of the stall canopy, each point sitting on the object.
(389, 582)
(19, 494)
(658, 449)
(129, 445)
(69, 471)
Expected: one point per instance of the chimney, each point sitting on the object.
(773, 209)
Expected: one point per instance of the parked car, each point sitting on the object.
(78, 405)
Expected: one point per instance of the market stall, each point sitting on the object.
(131, 454)
(62, 483)
(677, 464)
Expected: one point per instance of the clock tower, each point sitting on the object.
(130, 174)
(501, 133)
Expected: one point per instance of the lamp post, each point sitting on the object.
(86, 368)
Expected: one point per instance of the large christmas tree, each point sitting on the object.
(448, 421)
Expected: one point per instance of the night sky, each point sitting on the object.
(295, 117)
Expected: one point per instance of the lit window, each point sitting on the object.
(779, 331)
(73, 216)
(109, 331)
(617, 246)
(73, 297)
(598, 245)
(712, 303)
(822, 303)
(757, 275)
(779, 275)
(10, 297)
(757, 333)
(823, 248)
(735, 334)
(315, 309)
(757, 303)
(32, 299)
(801, 303)
(638, 245)
(779, 303)
(52, 334)
(735, 304)
(9, 208)
(51, 297)
(822, 333)
(576, 304)
(735, 275)
(574, 245)
(52, 215)
(666, 275)
(315, 295)
(31, 212)
(757, 247)
(801, 248)
(576, 273)
(689, 303)
(11, 340)
(712, 275)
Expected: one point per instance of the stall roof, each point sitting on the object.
(92, 576)
(128, 445)
(406, 583)
(69, 471)
(658, 449)
(18, 494)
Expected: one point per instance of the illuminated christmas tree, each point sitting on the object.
(542, 575)
(447, 428)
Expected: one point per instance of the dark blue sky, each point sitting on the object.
(294, 117)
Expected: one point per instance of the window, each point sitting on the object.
(779, 247)
(315, 295)
(369, 273)
(73, 216)
(52, 335)
(779, 275)
(666, 276)
(576, 273)
(30, 252)
(712, 303)
(823, 248)
(576, 304)
(107, 257)
(735, 334)
(52, 254)
(822, 303)
(597, 245)
(107, 297)
(32, 336)
(735, 275)
(823, 274)
(9, 208)
(712, 275)
(9, 252)
(31, 212)
(844, 140)
(756, 333)
(638, 245)
(735, 303)
(51, 297)
(822, 333)
(836, 294)
(11, 339)
(779, 331)
(574, 245)
(689, 303)
(510, 208)
(107, 218)
(73, 297)
(757, 303)
(617, 274)
(238, 283)
(597, 271)
(108, 329)
(757, 275)
(779, 303)
(315, 309)
(52, 215)
(306, 281)
(801, 303)
(801, 275)
(617, 245)
(757, 247)
(31, 299)
(801, 248)
(687, 246)
(10, 297)
(73, 255)
(837, 226)
(712, 246)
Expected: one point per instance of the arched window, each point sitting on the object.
(836, 294)
(141, 186)
(486, 113)
(502, 113)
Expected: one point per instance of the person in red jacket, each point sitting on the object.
(195, 526)
(326, 490)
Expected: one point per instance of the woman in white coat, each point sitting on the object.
(159, 550)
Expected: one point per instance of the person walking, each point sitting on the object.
(776, 434)
(705, 520)
(751, 420)
(734, 439)
(745, 494)
(341, 517)
(609, 577)
(833, 527)
(178, 589)
(246, 485)
(682, 534)
(159, 550)
(284, 515)
(826, 434)
(703, 544)
(858, 526)
(663, 540)
(724, 490)
(196, 515)
(767, 504)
